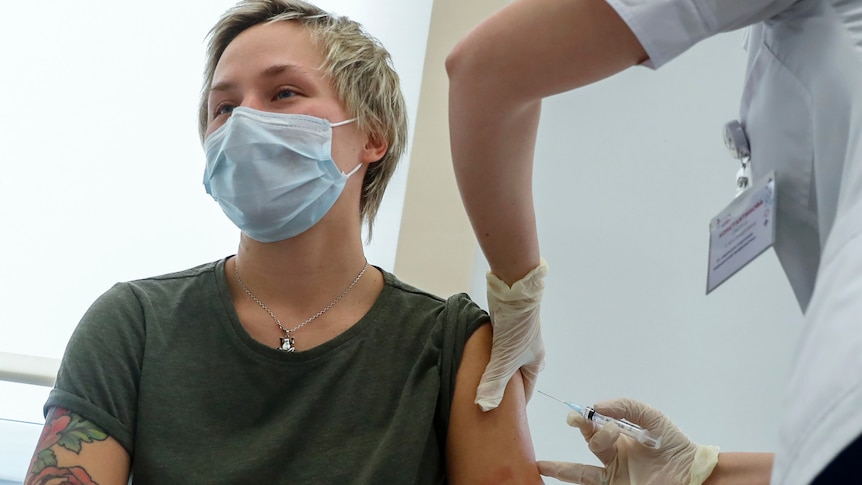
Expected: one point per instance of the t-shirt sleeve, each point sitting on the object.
(667, 28)
(99, 374)
(462, 317)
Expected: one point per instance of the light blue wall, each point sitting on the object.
(629, 172)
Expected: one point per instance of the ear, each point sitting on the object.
(374, 149)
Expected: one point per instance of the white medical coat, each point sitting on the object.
(802, 111)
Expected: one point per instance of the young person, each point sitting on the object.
(293, 361)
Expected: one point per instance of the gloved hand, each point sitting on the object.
(517, 340)
(678, 461)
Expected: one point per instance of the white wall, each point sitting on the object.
(629, 172)
(102, 167)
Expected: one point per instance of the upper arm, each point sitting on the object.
(498, 75)
(74, 450)
(532, 49)
(491, 447)
(536, 48)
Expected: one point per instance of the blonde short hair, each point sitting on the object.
(358, 66)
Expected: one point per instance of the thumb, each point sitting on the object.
(573, 472)
(530, 373)
(502, 365)
(491, 389)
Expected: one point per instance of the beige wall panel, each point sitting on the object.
(436, 246)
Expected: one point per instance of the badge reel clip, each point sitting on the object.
(737, 143)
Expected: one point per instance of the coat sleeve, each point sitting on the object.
(667, 28)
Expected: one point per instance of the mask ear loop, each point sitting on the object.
(356, 168)
(333, 125)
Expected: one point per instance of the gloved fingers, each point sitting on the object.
(530, 372)
(587, 428)
(490, 391)
(633, 411)
(574, 472)
(494, 381)
(500, 369)
(601, 441)
(510, 352)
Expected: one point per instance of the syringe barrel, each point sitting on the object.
(643, 436)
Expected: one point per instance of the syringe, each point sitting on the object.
(643, 436)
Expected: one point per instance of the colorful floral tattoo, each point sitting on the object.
(69, 431)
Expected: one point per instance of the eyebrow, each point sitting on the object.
(271, 71)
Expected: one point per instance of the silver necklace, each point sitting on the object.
(287, 342)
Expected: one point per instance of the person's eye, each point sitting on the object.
(223, 109)
(285, 93)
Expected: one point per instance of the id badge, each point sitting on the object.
(741, 232)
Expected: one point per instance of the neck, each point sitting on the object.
(299, 269)
(300, 278)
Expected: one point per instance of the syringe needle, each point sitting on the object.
(554, 398)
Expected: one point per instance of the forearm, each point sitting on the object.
(492, 140)
(498, 76)
(742, 469)
(493, 155)
(74, 450)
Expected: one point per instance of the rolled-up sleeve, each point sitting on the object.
(667, 28)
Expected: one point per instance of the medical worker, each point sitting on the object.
(801, 116)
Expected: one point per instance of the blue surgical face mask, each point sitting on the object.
(273, 173)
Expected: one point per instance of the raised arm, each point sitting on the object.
(74, 450)
(498, 75)
(494, 447)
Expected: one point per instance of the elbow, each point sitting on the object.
(471, 62)
(473, 81)
(457, 61)
(481, 76)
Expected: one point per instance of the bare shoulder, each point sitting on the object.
(492, 447)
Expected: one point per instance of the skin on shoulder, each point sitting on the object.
(491, 447)
(73, 450)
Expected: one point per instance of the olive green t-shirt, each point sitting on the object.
(164, 366)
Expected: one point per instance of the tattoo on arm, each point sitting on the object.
(70, 432)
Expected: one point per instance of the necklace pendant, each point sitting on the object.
(287, 344)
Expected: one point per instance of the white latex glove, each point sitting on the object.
(517, 340)
(678, 461)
